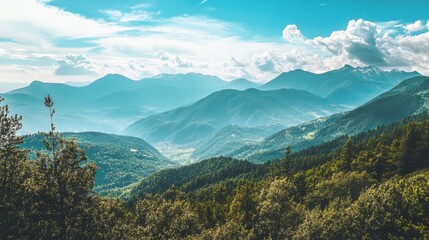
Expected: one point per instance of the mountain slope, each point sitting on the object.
(408, 98)
(229, 138)
(121, 160)
(189, 178)
(249, 108)
(348, 85)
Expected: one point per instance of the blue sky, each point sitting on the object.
(80, 40)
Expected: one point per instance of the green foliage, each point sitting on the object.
(340, 185)
(279, 213)
(121, 160)
(243, 206)
(14, 171)
(199, 175)
(160, 218)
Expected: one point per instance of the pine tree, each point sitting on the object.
(407, 159)
(14, 172)
(346, 156)
(243, 206)
(63, 183)
(278, 210)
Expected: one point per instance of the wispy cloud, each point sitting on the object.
(202, 2)
(133, 16)
(142, 6)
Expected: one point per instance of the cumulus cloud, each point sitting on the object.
(170, 60)
(414, 27)
(358, 41)
(75, 65)
(291, 33)
(268, 62)
(380, 44)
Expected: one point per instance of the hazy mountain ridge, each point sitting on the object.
(113, 101)
(248, 108)
(408, 98)
(347, 85)
(241, 84)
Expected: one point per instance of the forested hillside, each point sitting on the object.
(120, 160)
(372, 186)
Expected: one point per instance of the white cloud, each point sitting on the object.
(414, 27)
(75, 65)
(142, 6)
(169, 60)
(34, 23)
(202, 2)
(291, 33)
(133, 16)
(380, 44)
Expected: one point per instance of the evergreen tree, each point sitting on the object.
(243, 206)
(62, 185)
(346, 156)
(14, 172)
(277, 209)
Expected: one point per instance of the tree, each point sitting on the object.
(346, 156)
(159, 218)
(243, 206)
(278, 212)
(14, 172)
(340, 185)
(62, 184)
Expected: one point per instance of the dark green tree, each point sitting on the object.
(346, 156)
(14, 172)
(244, 204)
(62, 185)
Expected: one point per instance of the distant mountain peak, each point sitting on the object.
(347, 66)
(241, 80)
(36, 82)
(111, 78)
(299, 70)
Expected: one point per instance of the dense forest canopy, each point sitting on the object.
(372, 186)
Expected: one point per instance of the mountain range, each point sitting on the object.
(347, 86)
(109, 103)
(248, 108)
(408, 98)
(113, 102)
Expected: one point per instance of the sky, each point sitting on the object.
(81, 40)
